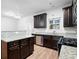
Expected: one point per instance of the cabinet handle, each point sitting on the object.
(21, 46)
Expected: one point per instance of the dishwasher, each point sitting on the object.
(39, 40)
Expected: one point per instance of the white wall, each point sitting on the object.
(8, 24)
(25, 23)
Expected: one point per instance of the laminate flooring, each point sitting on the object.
(43, 53)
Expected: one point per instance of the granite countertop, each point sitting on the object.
(8, 36)
(11, 36)
(68, 52)
(16, 38)
(70, 35)
(65, 35)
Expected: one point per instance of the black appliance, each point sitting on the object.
(70, 42)
(60, 42)
(66, 41)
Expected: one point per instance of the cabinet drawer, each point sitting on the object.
(56, 38)
(47, 37)
(13, 48)
(14, 54)
(13, 43)
(24, 42)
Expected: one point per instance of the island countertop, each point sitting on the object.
(16, 38)
(68, 52)
(11, 36)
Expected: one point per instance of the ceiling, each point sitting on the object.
(28, 7)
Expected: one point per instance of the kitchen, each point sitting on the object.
(32, 29)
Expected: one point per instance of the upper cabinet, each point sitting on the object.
(70, 15)
(74, 11)
(40, 20)
(68, 21)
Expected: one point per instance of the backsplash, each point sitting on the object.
(70, 29)
(13, 34)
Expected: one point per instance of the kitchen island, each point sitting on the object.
(8, 36)
(16, 45)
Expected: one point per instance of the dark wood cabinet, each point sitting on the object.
(40, 20)
(14, 53)
(27, 47)
(34, 40)
(50, 42)
(24, 51)
(46, 41)
(68, 21)
(24, 48)
(19, 49)
(31, 45)
(13, 50)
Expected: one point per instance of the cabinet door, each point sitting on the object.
(68, 21)
(50, 42)
(47, 41)
(54, 44)
(66, 18)
(34, 40)
(13, 50)
(14, 53)
(31, 45)
(36, 20)
(24, 52)
(40, 21)
(44, 20)
(24, 47)
(70, 17)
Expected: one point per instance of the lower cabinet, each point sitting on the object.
(24, 48)
(19, 49)
(48, 41)
(27, 47)
(24, 51)
(14, 53)
(51, 42)
(31, 45)
(13, 50)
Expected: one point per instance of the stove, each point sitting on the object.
(66, 41)
(70, 42)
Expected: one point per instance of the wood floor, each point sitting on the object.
(43, 53)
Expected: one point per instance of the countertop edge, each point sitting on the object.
(6, 40)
